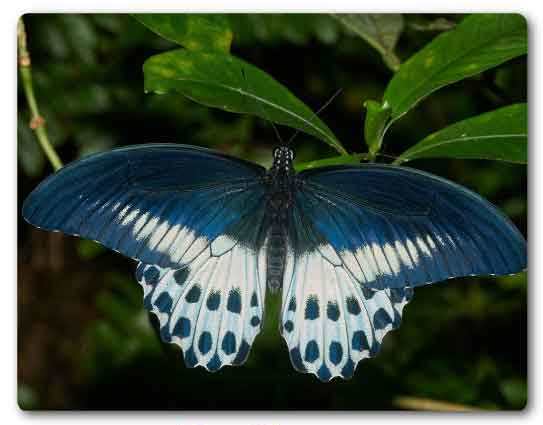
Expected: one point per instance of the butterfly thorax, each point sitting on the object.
(280, 182)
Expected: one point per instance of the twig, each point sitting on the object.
(417, 403)
(37, 122)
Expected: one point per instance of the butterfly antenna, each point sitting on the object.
(262, 111)
(384, 155)
(322, 108)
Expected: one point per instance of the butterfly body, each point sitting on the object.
(345, 245)
(281, 184)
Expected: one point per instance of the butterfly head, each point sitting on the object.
(282, 158)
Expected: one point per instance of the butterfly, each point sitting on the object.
(213, 234)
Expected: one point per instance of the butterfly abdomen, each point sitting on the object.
(276, 255)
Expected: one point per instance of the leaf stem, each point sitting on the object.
(37, 122)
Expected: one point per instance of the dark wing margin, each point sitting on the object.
(397, 227)
(157, 203)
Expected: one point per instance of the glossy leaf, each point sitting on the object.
(499, 135)
(192, 31)
(478, 43)
(380, 30)
(226, 82)
(377, 116)
(336, 160)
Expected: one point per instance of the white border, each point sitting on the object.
(8, 18)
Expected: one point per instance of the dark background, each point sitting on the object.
(84, 339)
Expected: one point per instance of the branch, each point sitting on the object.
(37, 123)
(416, 403)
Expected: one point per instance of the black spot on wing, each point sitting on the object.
(289, 326)
(243, 352)
(194, 294)
(332, 311)
(368, 293)
(233, 304)
(296, 359)
(292, 304)
(254, 300)
(182, 328)
(151, 275)
(360, 341)
(180, 276)
(190, 358)
(311, 351)
(164, 302)
(214, 364)
(213, 301)
(324, 373)
(348, 370)
(335, 352)
(204, 342)
(165, 332)
(312, 308)
(381, 319)
(353, 307)
(229, 343)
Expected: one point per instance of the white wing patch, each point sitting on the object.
(213, 307)
(330, 321)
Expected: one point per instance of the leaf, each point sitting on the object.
(192, 31)
(226, 82)
(380, 30)
(479, 42)
(377, 116)
(336, 160)
(500, 135)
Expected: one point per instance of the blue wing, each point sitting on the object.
(361, 238)
(395, 227)
(158, 203)
(194, 220)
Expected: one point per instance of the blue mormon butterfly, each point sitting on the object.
(345, 245)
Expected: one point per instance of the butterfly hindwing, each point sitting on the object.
(329, 320)
(394, 227)
(330, 323)
(212, 308)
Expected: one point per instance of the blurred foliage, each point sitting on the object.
(84, 339)
(381, 31)
(193, 31)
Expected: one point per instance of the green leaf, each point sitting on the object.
(381, 31)
(500, 135)
(479, 42)
(226, 82)
(377, 116)
(192, 31)
(336, 160)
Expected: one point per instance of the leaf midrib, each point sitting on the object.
(239, 90)
(448, 141)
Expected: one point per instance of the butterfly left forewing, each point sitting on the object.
(192, 218)
(152, 203)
